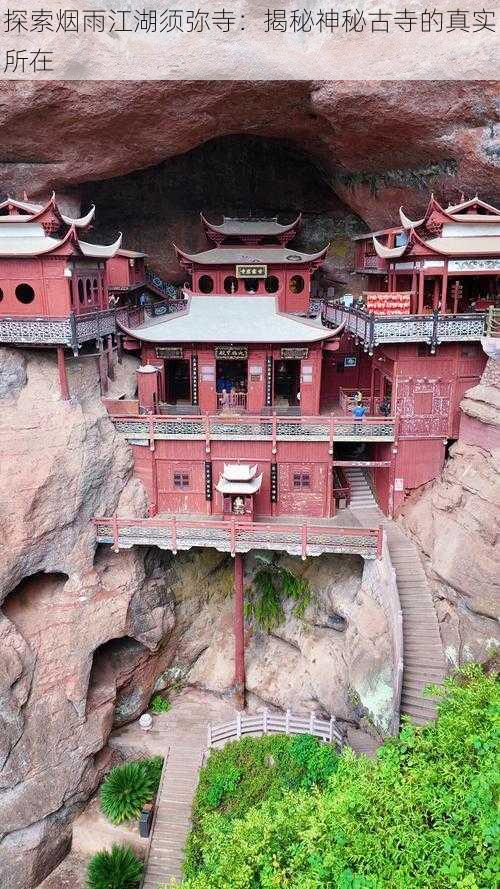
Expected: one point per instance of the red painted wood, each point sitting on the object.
(239, 634)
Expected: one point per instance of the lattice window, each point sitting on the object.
(301, 480)
(181, 479)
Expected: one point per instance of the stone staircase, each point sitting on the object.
(361, 494)
(423, 658)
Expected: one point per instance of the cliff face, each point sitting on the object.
(456, 522)
(79, 635)
(374, 145)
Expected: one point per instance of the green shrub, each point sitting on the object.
(421, 815)
(271, 586)
(246, 773)
(153, 766)
(127, 787)
(118, 869)
(159, 704)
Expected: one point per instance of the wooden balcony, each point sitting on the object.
(371, 264)
(297, 539)
(69, 331)
(133, 316)
(433, 329)
(146, 429)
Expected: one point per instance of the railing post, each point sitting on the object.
(238, 725)
(209, 735)
(287, 722)
(311, 722)
(304, 542)
(232, 542)
(206, 423)
(274, 432)
(330, 733)
(332, 433)
(116, 548)
(264, 723)
(174, 535)
(151, 433)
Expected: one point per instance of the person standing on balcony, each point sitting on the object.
(359, 410)
(358, 398)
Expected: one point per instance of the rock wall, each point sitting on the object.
(456, 522)
(80, 635)
(375, 146)
(337, 659)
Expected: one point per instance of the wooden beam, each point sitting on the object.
(239, 634)
(63, 377)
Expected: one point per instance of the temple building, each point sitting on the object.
(55, 286)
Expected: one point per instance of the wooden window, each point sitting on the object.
(301, 480)
(181, 479)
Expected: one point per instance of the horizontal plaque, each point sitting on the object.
(169, 352)
(252, 270)
(231, 353)
(289, 352)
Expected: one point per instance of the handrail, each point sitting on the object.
(217, 427)
(305, 539)
(267, 723)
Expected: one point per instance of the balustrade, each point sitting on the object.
(253, 428)
(432, 329)
(172, 533)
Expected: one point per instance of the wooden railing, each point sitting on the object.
(432, 329)
(133, 316)
(208, 428)
(70, 330)
(232, 400)
(268, 723)
(347, 402)
(341, 486)
(171, 533)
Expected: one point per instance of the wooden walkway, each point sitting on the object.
(173, 813)
(423, 658)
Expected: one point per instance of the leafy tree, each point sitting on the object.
(422, 814)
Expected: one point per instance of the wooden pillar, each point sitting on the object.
(111, 369)
(444, 289)
(421, 287)
(63, 377)
(435, 295)
(103, 368)
(413, 307)
(456, 291)
(239, 634)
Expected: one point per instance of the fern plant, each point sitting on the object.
(125, 790)
(271, 586)
(118, 869)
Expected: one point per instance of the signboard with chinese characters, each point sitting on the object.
(290, 352)
(252, 270)
(350, 361)
(169, 352)
(231, 353)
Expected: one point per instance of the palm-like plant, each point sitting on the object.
(118, 869)
(125, 790)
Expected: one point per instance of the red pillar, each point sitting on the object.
(63, 378)
(421, 287)
(444, 289)
(239, 635)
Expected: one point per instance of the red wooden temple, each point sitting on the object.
(256, 401)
